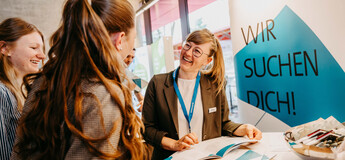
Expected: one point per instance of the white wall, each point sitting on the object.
(44, 14)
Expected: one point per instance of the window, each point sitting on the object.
(166, 24)
(140, 28)
(214, 15)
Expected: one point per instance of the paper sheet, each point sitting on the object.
(206, 148)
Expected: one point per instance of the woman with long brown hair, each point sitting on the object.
(21, 51)
(78, 107)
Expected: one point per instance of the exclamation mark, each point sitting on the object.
(293, 103)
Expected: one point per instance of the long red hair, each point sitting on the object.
(81, 49)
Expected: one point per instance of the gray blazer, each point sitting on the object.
(160, 112)
(92, 125)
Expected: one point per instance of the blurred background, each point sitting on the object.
(161, 25)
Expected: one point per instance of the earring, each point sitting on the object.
(203, 67)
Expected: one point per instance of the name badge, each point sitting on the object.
(211, 110)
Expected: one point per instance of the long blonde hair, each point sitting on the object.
(81, 49)
(11, 30)
(217, 70)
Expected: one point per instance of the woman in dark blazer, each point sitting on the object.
(177, 116)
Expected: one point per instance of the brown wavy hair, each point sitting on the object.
(81, 49)
(11, 30)
(217, 70)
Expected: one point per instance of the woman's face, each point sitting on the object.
(27, 53)
(128, 43)
(192, 62)
(130, 57)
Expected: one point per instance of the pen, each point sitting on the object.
(313, 137)
(318, 139)
(323, 136)
(310, 135)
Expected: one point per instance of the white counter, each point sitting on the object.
(272, 144)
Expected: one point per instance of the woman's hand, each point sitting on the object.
(248, 130)
(181, 144)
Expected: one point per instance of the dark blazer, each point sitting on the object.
(160, 112)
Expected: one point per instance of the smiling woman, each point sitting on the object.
(21, 50)
(79, 106)
(27, 53)
(187, 105)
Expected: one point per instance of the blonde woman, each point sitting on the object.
(187, 106)
(21, 52)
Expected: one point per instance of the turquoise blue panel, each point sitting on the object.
(305, 85)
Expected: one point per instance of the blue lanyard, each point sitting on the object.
(192, 104)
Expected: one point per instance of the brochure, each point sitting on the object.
(222, 152)
(214, 148)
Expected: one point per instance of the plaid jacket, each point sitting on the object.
(92, 123)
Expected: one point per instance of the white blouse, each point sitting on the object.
(186, 88)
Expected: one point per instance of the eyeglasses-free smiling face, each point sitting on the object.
(129, 59)
(27, 53)
(194, 56)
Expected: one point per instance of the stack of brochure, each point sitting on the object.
(222, 148)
